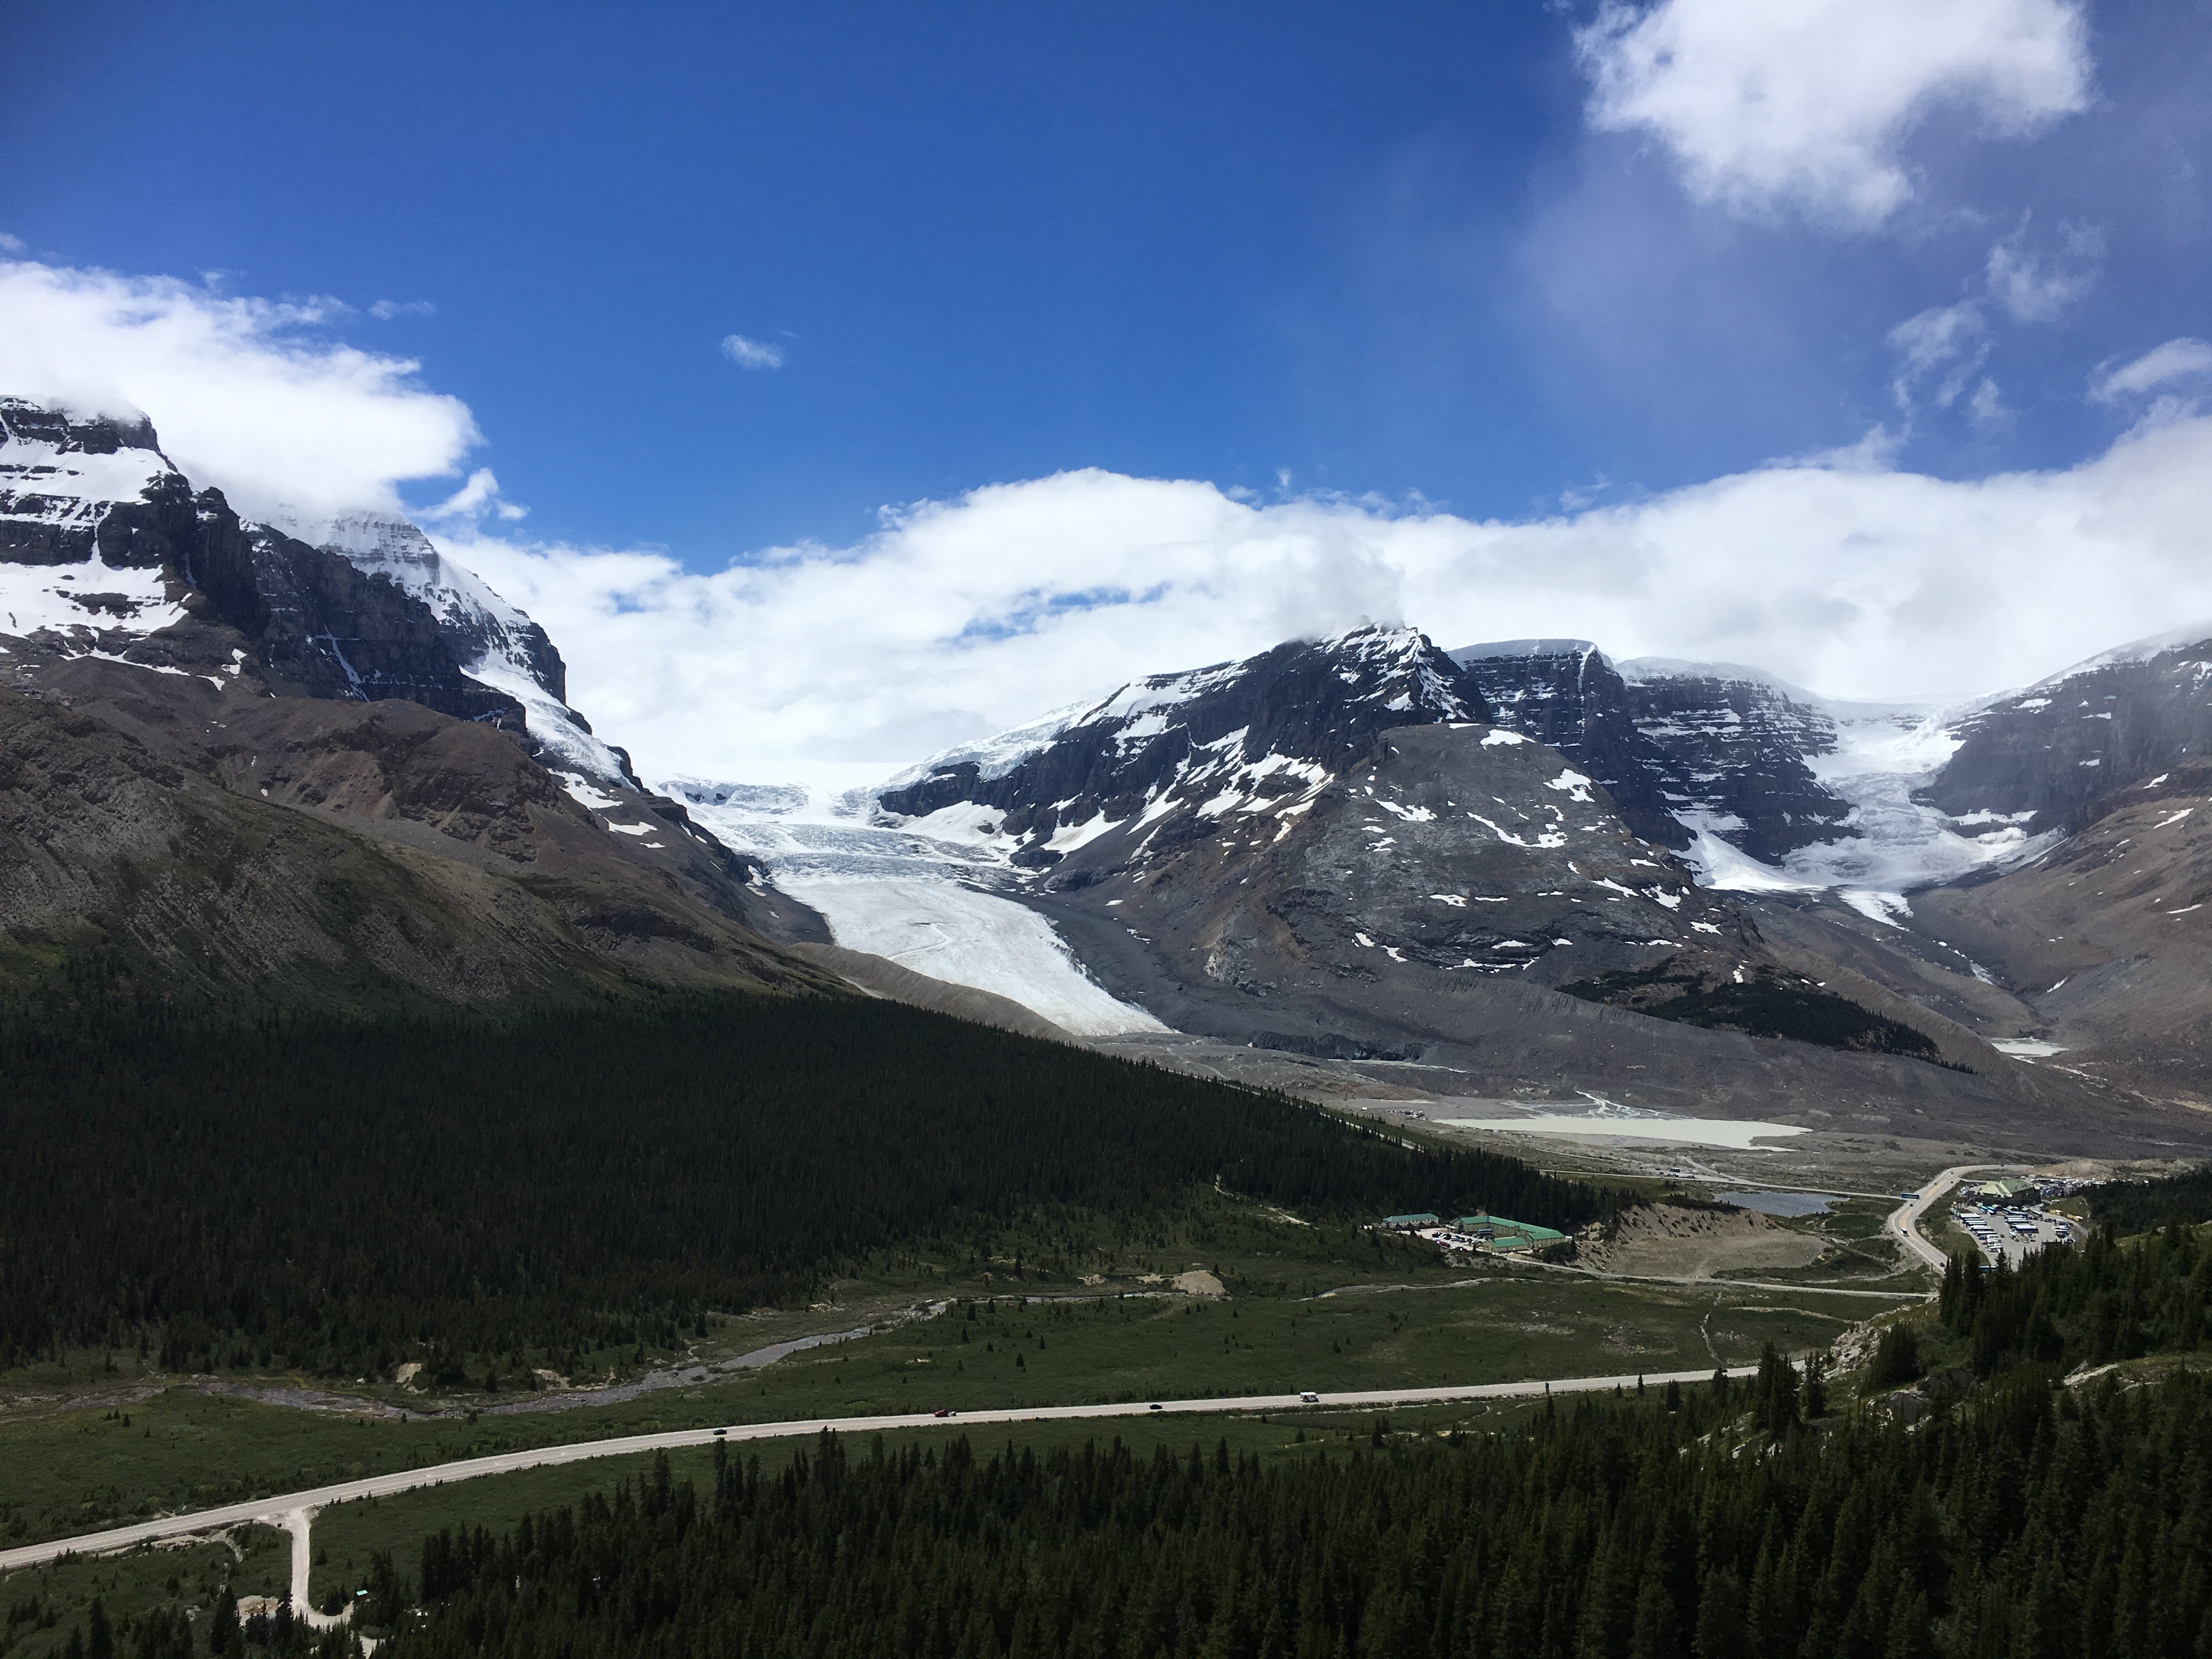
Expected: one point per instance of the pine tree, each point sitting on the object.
(1722, 1632)
(1896, 1358)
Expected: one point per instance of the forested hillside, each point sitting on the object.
(2091, 1305)
(2135, 1206)
(331, 1196)
(2026, 1523)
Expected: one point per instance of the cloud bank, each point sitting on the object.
(1808, 106)
(964, 616)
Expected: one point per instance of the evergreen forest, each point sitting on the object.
(2135, 1206)
(331, 1196)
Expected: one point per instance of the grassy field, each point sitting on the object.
(66, 1472)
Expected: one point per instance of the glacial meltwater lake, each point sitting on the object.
(1740, 1133)
(1777, 1203)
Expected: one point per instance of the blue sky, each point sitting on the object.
(1376, 249)
(1864, 339)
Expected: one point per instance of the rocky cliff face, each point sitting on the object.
(1565, 694)
(1737, 743)
(496, 644)
(1681, 747)
(2050, 755)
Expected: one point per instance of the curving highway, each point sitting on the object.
(292, 1510)
(1903, 1224)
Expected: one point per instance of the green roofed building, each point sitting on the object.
(1504, 1235)
(2007, 1190)
(1406, 1223)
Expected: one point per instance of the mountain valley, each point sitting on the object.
(1364, 867)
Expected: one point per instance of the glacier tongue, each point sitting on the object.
(1883, 753)
(930, 895)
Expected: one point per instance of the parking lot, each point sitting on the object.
(2011, 1231)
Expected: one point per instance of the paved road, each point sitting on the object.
(1904, 1223)
(292, 1510)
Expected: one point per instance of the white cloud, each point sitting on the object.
(751, 354)
(10, 244)
(2184, 359)
(2036, 287)
(385, 310)
(244, 394)
(1807, 103)
(965, 616)
(1987, 405)
(472, 501)
(1945, 346)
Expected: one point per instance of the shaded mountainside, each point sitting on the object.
(1565, 695)
(391, 856)
(237, 769)
(2108, 939)
(2053, 752)
(1737, 745)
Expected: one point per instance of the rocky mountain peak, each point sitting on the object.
(61, 476)
(106, 549)
(495, 642)
(1171, 746)
(2051, 754)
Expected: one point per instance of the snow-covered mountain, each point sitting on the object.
(1175, 755)
(237, 765)
(107, 550)
(1761, 784)
(936, 869)
(91, 514)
